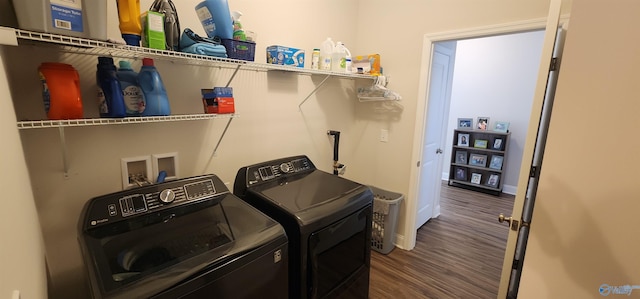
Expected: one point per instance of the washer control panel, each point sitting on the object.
(151, 199)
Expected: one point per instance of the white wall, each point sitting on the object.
(496, 77)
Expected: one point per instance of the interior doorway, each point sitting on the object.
(486, 101)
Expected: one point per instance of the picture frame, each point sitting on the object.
(501, 126)
(497, 144)
(460, 174)
(483, 123)
(480, 143)
(493, 180)
(496, 162)
(461, 157)
(476, 178)
(478, 160)
(465, 123)
(463, 140)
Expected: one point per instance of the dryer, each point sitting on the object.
(327, 219)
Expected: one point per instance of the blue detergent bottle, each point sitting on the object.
(215, 18)
(157, 102)
(110, 98)
(133, 96)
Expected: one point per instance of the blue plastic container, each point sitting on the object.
(110, 98)
(215, 18)
(157, 102)
(133, 97)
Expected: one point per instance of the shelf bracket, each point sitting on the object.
(233, 76)
(313, 91)
(63, 148)
(222, 136)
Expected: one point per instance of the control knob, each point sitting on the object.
(285, 167)
(167, 196)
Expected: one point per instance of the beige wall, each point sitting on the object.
(584, 225)
(395, 29)
(270, 124)
(22, 248)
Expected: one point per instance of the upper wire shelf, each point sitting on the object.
(39, 124)
(101, 48)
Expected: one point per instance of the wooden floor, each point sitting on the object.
(459, 254)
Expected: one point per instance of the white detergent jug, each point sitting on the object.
(339, 58)
(326, 50)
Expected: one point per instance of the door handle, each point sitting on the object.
(439, 151)
(514, 224)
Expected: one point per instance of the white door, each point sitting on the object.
(520, 219)
(435, 131)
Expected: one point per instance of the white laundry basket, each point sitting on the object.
(385, 219)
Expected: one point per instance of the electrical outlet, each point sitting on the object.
(135, 171)
(167, 162)
(384, 135)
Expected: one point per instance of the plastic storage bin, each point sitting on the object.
(385, 219)
(239, 49)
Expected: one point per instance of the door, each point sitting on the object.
(520, 219)
(435, 131)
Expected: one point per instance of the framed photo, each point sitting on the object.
(461, 174)
(501, 126)
(465, 123)
(483, 123)
(496, 162)
(463, 139)
(461, 157)
(478, 160)
(493, 180)
(497, 144)
(480, 143)
(476, 178)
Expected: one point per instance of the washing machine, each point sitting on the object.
(187, 238)
(327, 219)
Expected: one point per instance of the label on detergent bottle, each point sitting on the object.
(46, 97)
(67, 14)
(133, 99)
(102, 102)
(207, 20)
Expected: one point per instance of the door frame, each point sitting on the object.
(408, 239)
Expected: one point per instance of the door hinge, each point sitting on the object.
(554, 64)
(534, 172)
(418, 164)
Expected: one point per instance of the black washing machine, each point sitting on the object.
(188, 238)
(327, 219)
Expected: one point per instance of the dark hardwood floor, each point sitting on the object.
(459, 254)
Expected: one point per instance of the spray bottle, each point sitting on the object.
(238, 32)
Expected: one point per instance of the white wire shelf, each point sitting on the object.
(40, 124)
(101, 48)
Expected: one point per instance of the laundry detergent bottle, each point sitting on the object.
(155, 95)
(133, 96)
(215, 18)
(110, 98)
(130, 24)
(60, 90)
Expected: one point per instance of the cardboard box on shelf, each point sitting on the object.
(285, 56)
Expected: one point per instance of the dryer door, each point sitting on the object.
(339, 258)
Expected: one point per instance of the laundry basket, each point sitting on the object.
(385, 219)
